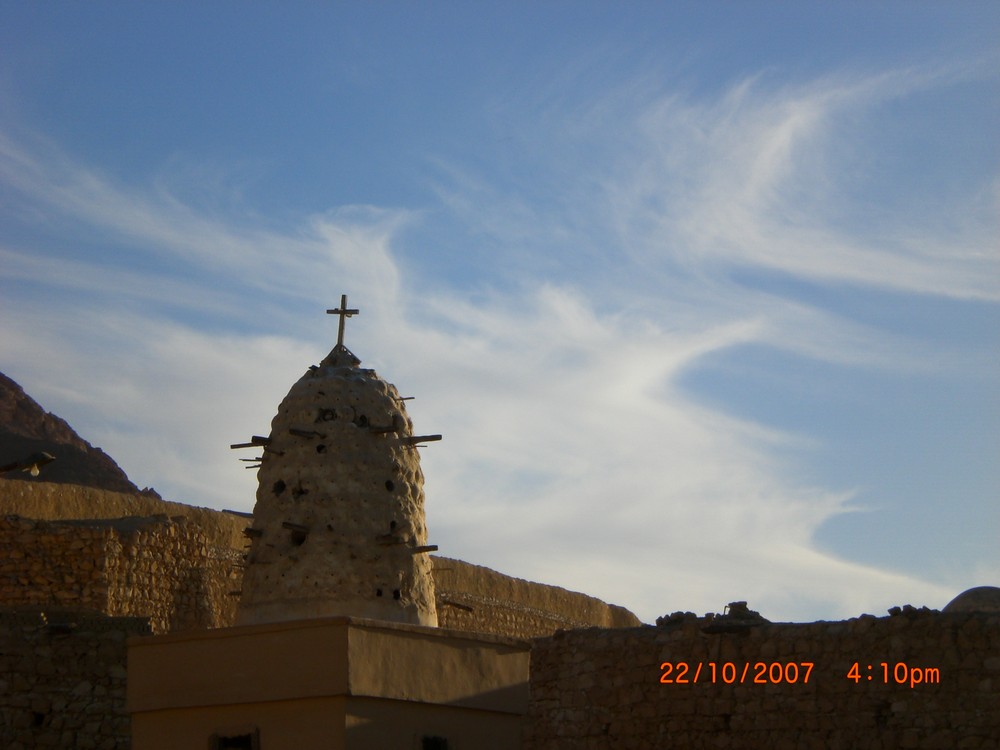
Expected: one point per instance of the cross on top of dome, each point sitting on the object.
(334, 358)
(343, 312)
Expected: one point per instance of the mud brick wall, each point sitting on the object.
(62, 680)
(477, 599)
(602, 689)
(158, 568)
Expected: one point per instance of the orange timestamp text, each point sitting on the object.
(730, 673)
(899, 673)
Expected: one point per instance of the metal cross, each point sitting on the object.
(343, 312)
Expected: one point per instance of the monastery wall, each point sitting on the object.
(164, 569)
(157, 567)
(474, 598)
(180, 565)
(63, 502)
(603, 682)
(47, 567)
(62, 680)
(773, 685)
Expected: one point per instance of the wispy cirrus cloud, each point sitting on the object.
(765, 178)
(191, 246)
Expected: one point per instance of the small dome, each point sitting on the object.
(978, 599)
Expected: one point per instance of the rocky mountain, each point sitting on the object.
(27, 430)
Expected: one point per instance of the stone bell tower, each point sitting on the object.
(338, 527)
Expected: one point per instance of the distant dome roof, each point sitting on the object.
(978, 599)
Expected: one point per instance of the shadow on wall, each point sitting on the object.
(378, 724)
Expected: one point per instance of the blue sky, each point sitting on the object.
(703, 296)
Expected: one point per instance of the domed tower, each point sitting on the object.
(338, 527)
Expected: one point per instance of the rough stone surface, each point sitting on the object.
(474, 598)
(468, 597)
(603, 689)
(165, 571)
(340, 505)
(63, 502)
(978, 599)
(62, 679)
(159, 568)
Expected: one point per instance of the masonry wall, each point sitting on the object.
(50, 565)
(477, 599)
(158, 568)
(182, 566)
(165, 570)
(62, 680)
(603, 689)
(63, 502)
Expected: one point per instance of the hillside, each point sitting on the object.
(27, 429)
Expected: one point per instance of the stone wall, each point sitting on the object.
(157, 567)
(614, 685)
(939, 688)
(63, 502)
(165, 570)
(474, 598)
(62, 680)
(47, 565)
(121, 566)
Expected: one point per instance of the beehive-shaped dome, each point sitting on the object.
(338, 527)
(978, 599)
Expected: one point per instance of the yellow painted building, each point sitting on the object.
(336, 683)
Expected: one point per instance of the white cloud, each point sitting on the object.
(765, 177)
(754, 181)
(569, 457)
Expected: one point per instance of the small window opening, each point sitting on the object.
(37, 719)
(378, 592)
(250, 741)
(433, 743)
(363, 421)
(389, 485)
(298, 538)
(395, 594)
(392, 525)
(321, 448)
(279, 487)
